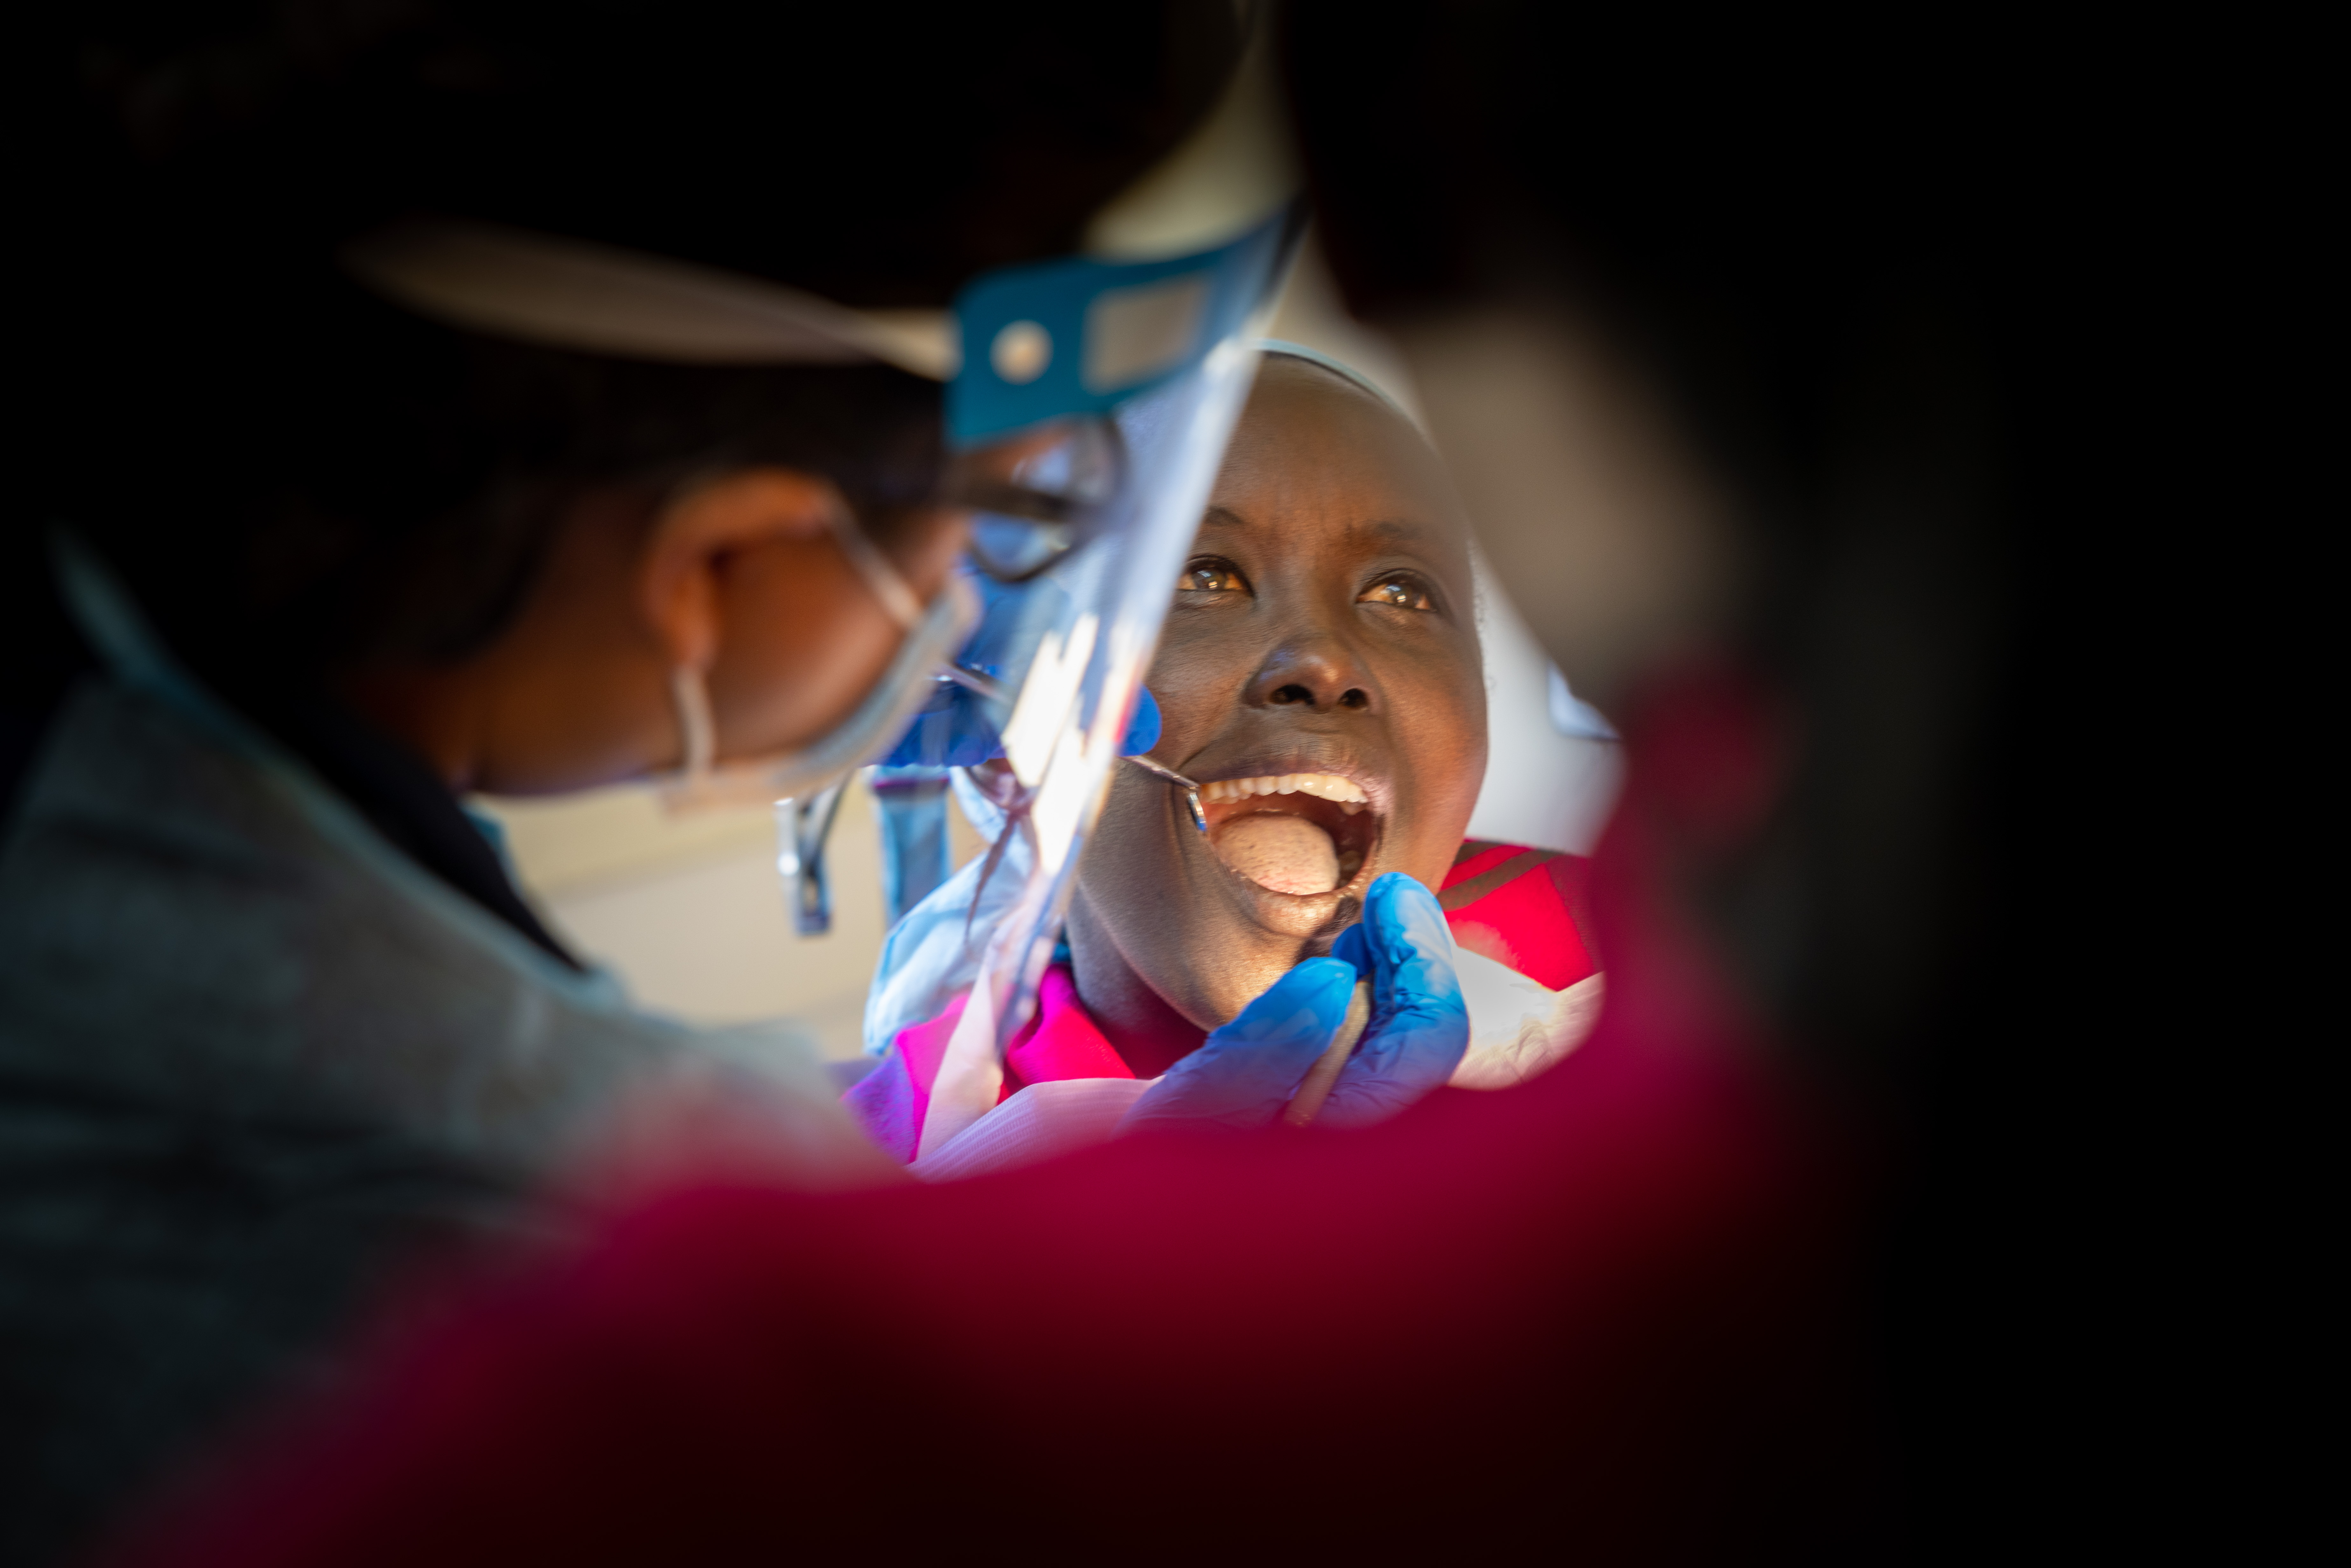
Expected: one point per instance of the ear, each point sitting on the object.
(689, 543)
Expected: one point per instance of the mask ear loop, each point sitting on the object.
(698, 736)
(876, 568)
(690, 693)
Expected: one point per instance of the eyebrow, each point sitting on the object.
(1391, 529)
(1387, 529)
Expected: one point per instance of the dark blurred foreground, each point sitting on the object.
(1791, 1261)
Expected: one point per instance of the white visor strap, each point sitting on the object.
(570, 294)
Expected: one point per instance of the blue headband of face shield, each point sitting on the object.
(1086, 425)
(1081, 336)
(1053, 353)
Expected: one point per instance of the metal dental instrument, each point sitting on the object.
(974, 681)
(1191, 790)
(1319, 1078)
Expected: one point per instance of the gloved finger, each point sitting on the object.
(1419, 1027)
(1410, 950)
(1245, 1073)
(1142, 727)
(1354, 946)
(954, 729)
(957, 727)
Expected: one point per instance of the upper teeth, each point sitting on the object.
(1328, 786)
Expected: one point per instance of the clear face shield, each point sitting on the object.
(1088, 422)
(1087, 405)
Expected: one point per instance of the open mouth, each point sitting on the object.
(1297, 833)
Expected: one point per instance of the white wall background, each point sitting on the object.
(1543, 789)
(691, 912)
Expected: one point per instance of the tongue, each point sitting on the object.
(1285, 853)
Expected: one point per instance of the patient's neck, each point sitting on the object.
(1148, 1035)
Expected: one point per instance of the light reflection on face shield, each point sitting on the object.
(1086, 478)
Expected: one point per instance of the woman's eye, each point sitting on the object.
(1212, 577)
(1400, 592)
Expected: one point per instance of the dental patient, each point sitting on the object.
(1319, 675)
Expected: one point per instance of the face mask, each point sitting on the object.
(869, 730)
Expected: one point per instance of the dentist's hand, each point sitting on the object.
(1246, 1072)
(957, 727)
(1419, 1028)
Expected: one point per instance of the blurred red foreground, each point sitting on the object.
(1608, 1312)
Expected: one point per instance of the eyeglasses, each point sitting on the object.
(1036, 495)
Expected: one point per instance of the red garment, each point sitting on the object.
(1594, 1317)
(1525, 909)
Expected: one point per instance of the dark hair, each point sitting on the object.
(292, 472)
(384, 488)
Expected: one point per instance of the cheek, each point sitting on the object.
(1195, 677)
(800, 642)
(1440, 723)
(1132, 876)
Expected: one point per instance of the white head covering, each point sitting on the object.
(566, 293)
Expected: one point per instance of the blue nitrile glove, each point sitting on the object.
(1419, 1027)
(1142, 725)
(957, 727)
(1247, 1072)
(953, 729)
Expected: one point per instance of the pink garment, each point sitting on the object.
(1512, 903)
(1061, 1041)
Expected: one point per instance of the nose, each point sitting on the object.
(1317, 673)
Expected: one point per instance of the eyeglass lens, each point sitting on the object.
(1039, 494)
